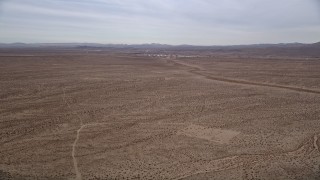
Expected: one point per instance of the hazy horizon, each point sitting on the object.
(133, 44)
(192, 22)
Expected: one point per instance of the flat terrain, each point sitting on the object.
(120, 116)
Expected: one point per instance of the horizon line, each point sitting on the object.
(133, 44)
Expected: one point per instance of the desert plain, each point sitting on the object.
(120, 115)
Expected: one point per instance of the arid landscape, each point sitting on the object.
(171, 113)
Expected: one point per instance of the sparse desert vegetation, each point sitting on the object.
(124, 115)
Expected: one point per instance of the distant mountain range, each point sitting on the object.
(269, 50)
(146, 46)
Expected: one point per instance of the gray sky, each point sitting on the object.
(198, 22)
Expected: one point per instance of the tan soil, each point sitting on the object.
(118, 116)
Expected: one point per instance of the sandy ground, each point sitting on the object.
(115, 116)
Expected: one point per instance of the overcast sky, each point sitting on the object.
(198, 22)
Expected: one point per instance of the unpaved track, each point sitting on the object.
(315, 142)
(74, 145)
(201, 72)
(75, 161)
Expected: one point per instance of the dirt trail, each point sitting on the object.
(74, 145)
(199, 71)
(75, 161)
(315, 143)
